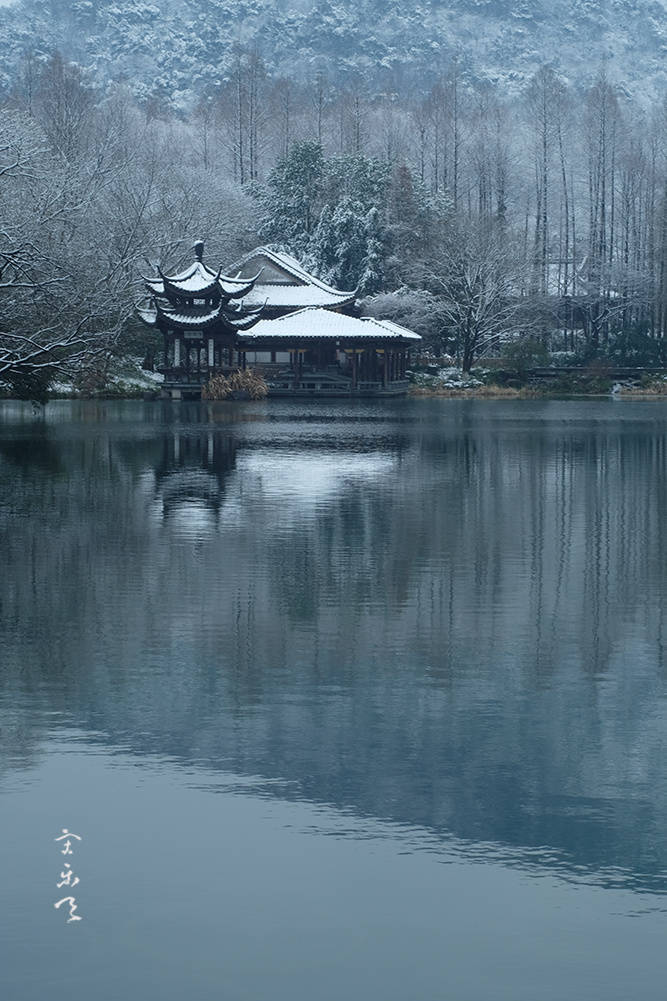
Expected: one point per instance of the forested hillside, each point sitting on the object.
(175, 50)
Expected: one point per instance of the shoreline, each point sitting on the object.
(482, 392)
(532, 393)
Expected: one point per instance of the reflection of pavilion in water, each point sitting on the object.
(200, 473)
(190, 477)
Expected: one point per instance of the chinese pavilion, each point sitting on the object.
(319, 352)
(306, 342)
(200, 314)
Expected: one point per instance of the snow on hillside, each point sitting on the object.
(175, 49)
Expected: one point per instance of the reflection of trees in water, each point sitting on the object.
(457, 624)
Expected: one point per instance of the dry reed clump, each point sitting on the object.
(245, 384)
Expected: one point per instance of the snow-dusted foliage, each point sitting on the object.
(61, 282)
(86, 204)
(416, 308)
(444, 378)
(327, 212)
(175, 50)
(349, 218)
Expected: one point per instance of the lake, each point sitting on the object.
(344, 700)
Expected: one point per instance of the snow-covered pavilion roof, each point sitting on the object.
(200, 280)
(193, 318)
(148, 314)
(315, 324)
(201, 317)
(176, 300)
(285, 284)
(392, 327)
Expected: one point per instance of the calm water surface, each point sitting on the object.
(346, 701)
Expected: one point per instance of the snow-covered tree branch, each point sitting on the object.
(477, 284)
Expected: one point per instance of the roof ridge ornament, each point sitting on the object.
(198, 248)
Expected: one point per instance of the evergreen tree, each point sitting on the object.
(372, 275)
(292, 199)
(363, 179)
(349, 233)
(321, 255)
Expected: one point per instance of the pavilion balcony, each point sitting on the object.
(330, 381)
(194, 376)
(284, 380)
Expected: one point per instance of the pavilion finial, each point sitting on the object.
(199, 249)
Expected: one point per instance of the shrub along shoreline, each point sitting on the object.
(502, 383)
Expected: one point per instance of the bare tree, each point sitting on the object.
(476, 281)
(601, 121)
(63, 105)
(244, 115)
(65, 285)
(545, 98)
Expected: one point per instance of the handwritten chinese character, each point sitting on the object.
(72, 908)
(68, 878)
(65, 836)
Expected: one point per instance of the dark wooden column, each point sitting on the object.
(297, 366)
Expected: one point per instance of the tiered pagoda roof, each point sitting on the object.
(199, 299)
